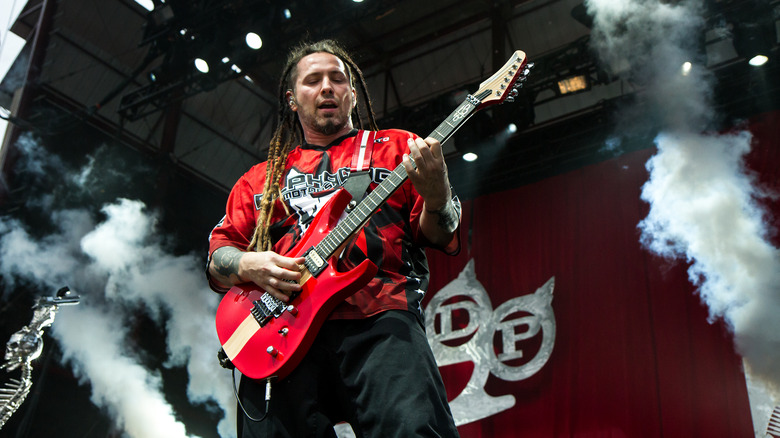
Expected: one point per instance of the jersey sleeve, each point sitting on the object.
(236, 227)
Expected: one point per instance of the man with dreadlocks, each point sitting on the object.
(370, 364)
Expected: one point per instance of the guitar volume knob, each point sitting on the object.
(272, 351)
(293, 310)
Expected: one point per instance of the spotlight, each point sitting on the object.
(254, 41)
(686, 68)
(754, 34)
(202, 65)
(146, 4)
(758, 60)
(469, 156)
(512, 128)
(287, 14)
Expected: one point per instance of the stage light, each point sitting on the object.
(686, 68)
(254, 41)
(754, 34)
(287, 14)
(758, 60)
(358, 1)
(202, 65)
(512, 128)
(146, 4)
(469, 156)
(573, 84)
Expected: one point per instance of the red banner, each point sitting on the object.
(633, 353)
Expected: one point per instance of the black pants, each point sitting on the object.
(378, 374)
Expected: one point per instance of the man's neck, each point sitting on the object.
(319, 139)
(335, 141)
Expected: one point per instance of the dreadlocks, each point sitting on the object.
(288, 132)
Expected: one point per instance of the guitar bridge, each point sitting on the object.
(267, 307)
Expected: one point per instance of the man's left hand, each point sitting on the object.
(430, 176)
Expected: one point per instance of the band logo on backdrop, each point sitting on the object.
(461, 311)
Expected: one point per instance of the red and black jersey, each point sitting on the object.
(392, 239)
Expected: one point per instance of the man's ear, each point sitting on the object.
(354, 98)
(291, 100)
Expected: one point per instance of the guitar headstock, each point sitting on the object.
(503, 85)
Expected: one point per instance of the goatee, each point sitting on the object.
(329, 127)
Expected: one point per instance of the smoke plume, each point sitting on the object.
(703, 203)
(116, 259)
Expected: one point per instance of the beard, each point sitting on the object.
(326, 125)
(329, 126)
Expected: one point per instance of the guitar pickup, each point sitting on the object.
(314, 262)
(267, 307)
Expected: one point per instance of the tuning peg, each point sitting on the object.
(510, 99)
(513, 93)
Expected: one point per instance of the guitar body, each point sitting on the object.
(291, 334)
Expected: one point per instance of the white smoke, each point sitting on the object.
(92, 341)
(120, 267)
(703, 202)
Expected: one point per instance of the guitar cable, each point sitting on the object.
(267, 399)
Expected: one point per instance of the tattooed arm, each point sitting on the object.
(428, 172)
(274, 273)
(223, 266)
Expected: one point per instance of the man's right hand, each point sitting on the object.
(274, 273)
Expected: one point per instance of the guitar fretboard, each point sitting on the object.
(371, 203)
(500, 84)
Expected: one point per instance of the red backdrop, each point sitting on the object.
(634, 355)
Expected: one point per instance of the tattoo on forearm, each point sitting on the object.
(448, 217)
(225, 261)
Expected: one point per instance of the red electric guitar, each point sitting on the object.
(264, 337)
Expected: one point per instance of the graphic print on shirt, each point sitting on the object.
(307, 193)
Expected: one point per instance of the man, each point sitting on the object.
(370, 364)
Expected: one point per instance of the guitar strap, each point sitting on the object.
(360, 173)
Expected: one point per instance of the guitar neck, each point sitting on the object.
(498, 88)
(371, 203)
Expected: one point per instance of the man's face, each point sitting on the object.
(323, 95)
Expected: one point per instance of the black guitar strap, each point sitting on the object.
(359, 174)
